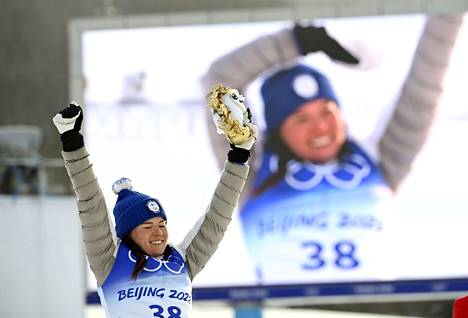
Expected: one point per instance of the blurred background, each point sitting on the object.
(136, 67)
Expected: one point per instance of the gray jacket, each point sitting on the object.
(403, 136)
(198, 245)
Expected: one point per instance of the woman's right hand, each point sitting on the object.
(69, 118)
(68, 122)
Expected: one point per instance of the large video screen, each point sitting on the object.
(371, 213)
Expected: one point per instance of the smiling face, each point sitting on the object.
(151, 236)
(315, 132)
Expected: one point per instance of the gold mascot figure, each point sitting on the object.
(232, 116)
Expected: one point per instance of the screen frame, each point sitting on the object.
(275, 295)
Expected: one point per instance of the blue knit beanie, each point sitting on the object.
(288, 89)
(133, 208)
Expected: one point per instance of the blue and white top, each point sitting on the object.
(321, 221)
(162, 289)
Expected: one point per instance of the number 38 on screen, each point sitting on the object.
(344, 255)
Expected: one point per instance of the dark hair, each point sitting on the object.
(140, 255)
(140, 262)
(276, 145)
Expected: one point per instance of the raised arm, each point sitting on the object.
(203, 240)
(242, 66)
(414, 113)
(96, 229)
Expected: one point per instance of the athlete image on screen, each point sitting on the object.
(141, 274)
(317, 202)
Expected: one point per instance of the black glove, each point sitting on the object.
(238, 155)
(68, 122)
(311, 39)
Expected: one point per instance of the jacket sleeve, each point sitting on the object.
(414, 112)
(239, 68)
(95, 222)
(203, 239)
(245, 64)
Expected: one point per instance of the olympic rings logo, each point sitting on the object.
(172, 264)
(356, 167)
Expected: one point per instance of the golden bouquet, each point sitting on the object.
(231, 116)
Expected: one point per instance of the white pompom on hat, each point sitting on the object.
(122, 183)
